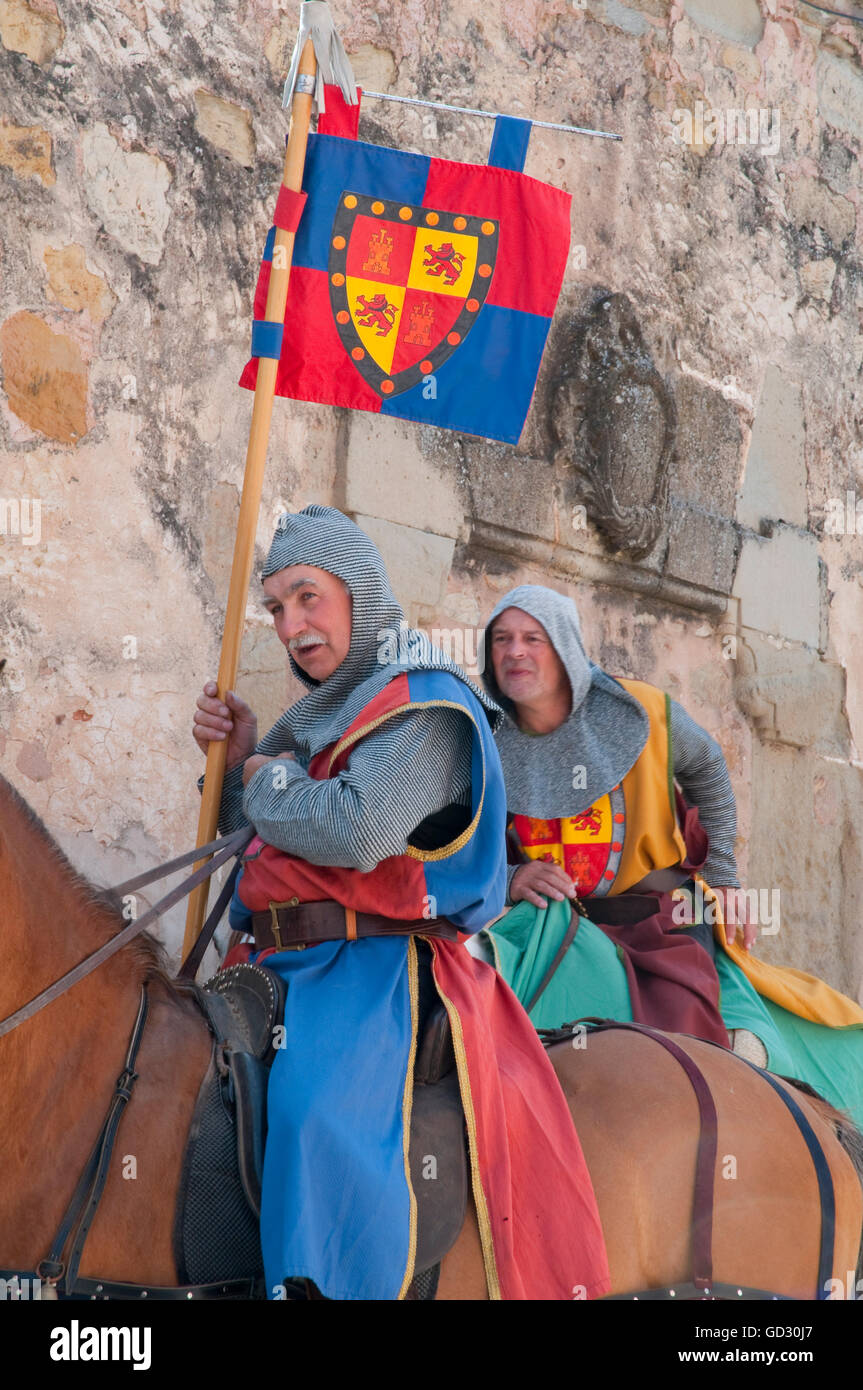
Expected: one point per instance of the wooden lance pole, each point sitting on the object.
(253, 481)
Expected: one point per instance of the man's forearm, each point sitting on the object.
(699, 767)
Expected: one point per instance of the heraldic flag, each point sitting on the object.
(420, 287)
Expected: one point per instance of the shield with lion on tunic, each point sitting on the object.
(407, 284)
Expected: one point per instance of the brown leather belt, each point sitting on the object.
(292, 925)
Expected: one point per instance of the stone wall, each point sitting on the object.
(690, 466)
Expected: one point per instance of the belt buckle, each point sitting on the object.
(274, 923)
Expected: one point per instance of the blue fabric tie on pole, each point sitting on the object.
(267, 338)
(509, 143)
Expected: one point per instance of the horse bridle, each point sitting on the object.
(78, 1217)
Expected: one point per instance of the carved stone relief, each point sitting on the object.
(614, 424)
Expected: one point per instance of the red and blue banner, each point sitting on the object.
(421, 288)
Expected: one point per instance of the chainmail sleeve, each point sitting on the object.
(414, 765)
(699, 767)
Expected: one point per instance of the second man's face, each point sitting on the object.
(526, 666)
(311, 610)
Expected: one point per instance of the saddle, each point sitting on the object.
(216, 1233)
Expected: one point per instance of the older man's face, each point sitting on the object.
(311, 609)
(526, 666)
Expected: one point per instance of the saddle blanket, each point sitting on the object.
(592, 980)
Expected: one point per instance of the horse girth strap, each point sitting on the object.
(702, 1221)
(705, 1158)
(691, 1293)
(230, 845)
(99, 1290)
(826, 1191)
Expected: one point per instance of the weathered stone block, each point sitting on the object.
(226, 125)
(374, 67)
(26, 150)
(418, 564)
(32, 29)
(840, 93)
(613, 420)
(222, 512)
(791, 695)
(658, 8)
(774, 483)
(709, 445)
(388, 475)
(518, 493)
(778, 583)
(701, 547)
(812, 205)
(811, 852)
(128, 193)
(738, 20)
(33, 762)
(625, 18)
(44, 377)
(742, 62)
(816, 278)
(71, 284)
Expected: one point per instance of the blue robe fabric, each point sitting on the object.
(336, 1204)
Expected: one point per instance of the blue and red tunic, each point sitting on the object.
(338, 1207)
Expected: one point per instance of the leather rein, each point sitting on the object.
(226, 846)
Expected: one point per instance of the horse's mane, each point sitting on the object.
(145, 951)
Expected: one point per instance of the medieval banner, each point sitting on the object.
(420, 287)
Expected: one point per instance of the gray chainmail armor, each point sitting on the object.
(699, 767)
(409, 768)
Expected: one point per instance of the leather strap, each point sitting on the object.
(702, 1221)
(295, 924)
(559, 955)
(91, 1184)
(189, 969)
(825, 1181)
(687, 1292)
(190, 857)
(233, 844)
(96, 1289)
(705, 1159)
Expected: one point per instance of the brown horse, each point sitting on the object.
(633, 1107)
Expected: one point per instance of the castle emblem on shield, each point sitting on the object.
(407, 285)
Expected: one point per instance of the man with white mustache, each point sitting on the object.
(379, 808)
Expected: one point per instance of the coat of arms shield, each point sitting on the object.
(407, 284)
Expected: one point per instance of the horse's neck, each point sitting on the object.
(59, 1068)
(49, 924)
